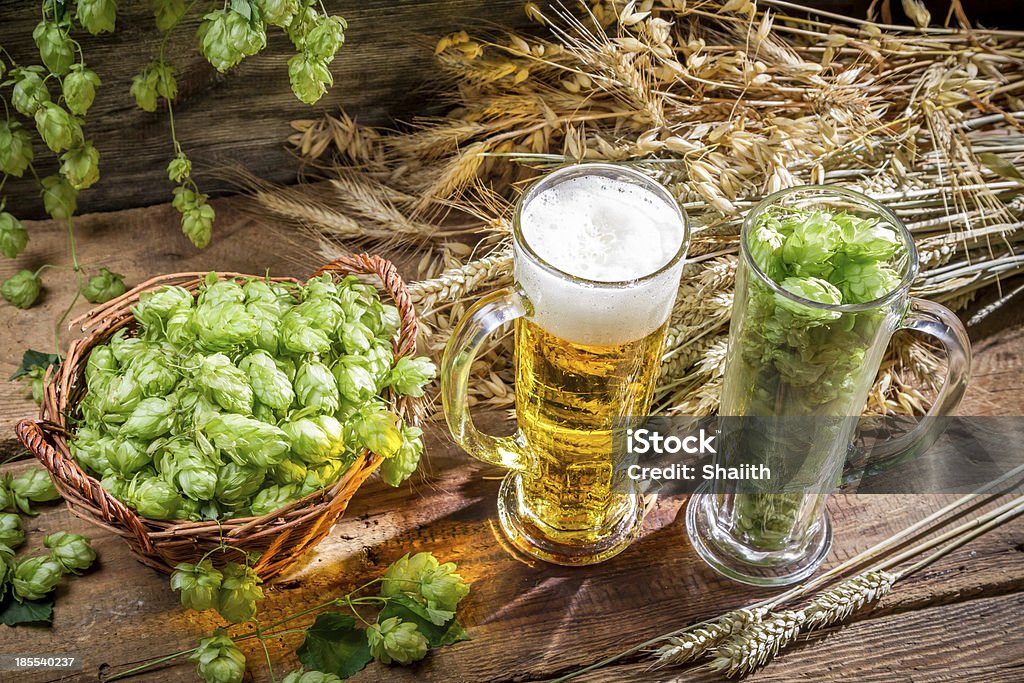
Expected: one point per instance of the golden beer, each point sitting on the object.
(567, 396)
(598, 251)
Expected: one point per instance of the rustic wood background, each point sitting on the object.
(382, 76)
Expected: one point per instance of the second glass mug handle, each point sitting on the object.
(476, 326)
(940, 323)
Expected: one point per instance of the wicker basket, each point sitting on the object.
(280, 537)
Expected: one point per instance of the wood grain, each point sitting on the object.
(528, 620)
(382, 74)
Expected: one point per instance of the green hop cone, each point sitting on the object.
(179, 168)
(143, 89)
(442, 588)
(300, 676)
(199, 584)
(405, 573)
(227, 384)
(13, 236)
(316, 388)
(80, 89)
(7, 567)
(197, 222)
(29, 92)
(394, 640)
(273, 498)
(246, 440)
(239, 591)
(867, 281)
(167, 13)
(153, 498)
(765, 243)
(307, 440)
(811, 289)
(11, 533)
(104, 287)
(236, 483)
(218, 659)
(15, 148)
(60, 199)
(325, 38)
(55, 47)
(71, 551)
(151, 418)
(355, 380)
(58, 129)
(35, 577)
(269, 383)
(309, 77)
(21, 289)
(376, 431)
(226, 37)
(81, 166)
(402, 464)
(278, 12)
(410, 375)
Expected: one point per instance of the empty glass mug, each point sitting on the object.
(598, 251)
(798, 372)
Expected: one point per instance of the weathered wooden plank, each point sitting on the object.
(528, 619)
(384, 72)
(976, 640)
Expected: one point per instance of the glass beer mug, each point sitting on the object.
(798, 372)
(598, 252)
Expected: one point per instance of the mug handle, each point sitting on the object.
(942, 324)
(479, 322)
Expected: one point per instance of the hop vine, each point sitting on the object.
(54, 91)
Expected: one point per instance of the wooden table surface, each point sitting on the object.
(959, 619)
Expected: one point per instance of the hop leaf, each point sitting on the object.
(167, 13)
(21, 289)
(54, 47)
(239, 591)
(58, 129)
(80, 89)
(179, 168)
(29, 92)
(394, 640)
(15, 148)
(104, 287)
(218, 659)
(309, 77)
(410, 375)
(300, 676)
(97, 16)
(71, 551)
(11, 533)
(60, 199)
(13, 236)
(199, 584)
(35, 577)
(81, 166)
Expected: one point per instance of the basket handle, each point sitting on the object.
(33, 436)
(364, 264)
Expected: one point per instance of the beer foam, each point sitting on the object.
(601, 228)
(605, 226)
